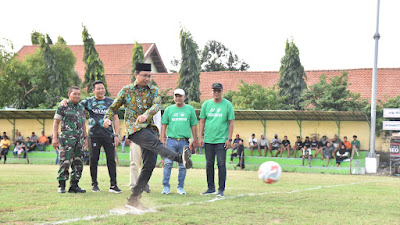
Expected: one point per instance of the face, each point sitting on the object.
(99, 91)
(179, 99)
(27, 139)
(262, 136)
(355, 138)
(285, 138)
(345, 138)
(217, 94)
(42, 133)
(143, 78)
(328, 144)
(75, 96)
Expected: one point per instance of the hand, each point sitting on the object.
(64, 103)
(142, 118)
(227, 144)
(107, 123)
(162, 140)
(200, 143)
(116, 141)
(55, 143)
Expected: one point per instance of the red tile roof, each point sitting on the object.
(360, 79)
(117, 58)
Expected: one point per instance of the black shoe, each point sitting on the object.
(187, 162)
(147, 188)
(209, 192)
(76, 189)
(61, 190)
(95, 188)
(115, 189)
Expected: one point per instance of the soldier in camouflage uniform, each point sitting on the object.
(71, 140)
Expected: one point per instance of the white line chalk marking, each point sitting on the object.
(125, 211)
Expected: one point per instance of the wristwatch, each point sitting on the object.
(230, 139)
(116, 135)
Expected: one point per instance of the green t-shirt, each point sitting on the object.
(179, 121)
(28, 144)
(356, 143)
(217, 116)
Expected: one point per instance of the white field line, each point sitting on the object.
(124, 211)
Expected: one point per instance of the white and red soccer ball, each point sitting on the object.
(269, 172)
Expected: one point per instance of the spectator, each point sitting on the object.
(5, 135)
(239, 153)
(34, 138)
(5, 146)
(253, 144)
(275, 143)
(42, 142)
(336, 142)
(236, 142)
(29, 145)
(322, 143)
(341, 155)
(306, 153)
(298, 145)
(347, 144)
(355, 146)
(328, 152)
(263, 144)
(285, 147)
(19, 138)
(18, 149)
(315, 147)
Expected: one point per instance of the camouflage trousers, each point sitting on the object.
(71, 154)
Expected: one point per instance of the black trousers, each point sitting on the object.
(95, 143)
(148, 141)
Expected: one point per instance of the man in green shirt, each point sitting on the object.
(216, 127)
(179, 122)
(355, 145)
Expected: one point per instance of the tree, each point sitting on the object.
(256, 97)
(332, 96)
(6, 53)
(137, 57)
(291, 81)
(39, 81)
(189, 78)
(94, 69)
(216, 57)
(35, 37)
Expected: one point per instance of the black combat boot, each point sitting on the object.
(75, 188)
(61, 186)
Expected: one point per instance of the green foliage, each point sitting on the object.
(256, 97)
(137, 57)
(61, 40)
(48, 40)
(216, 57)
(6, 53)
(332, 96)
(197, 105)
(389, 103)
(94, 69)
(189, 79)
(291, 81)
(35, 37)
(41, 80)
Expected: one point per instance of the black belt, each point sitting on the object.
(180, 139)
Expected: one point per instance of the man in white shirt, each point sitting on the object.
(263, 144)
(253, 144)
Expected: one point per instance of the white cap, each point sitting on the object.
(179, 92)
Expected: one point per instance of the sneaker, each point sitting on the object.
(61, 190)
(209, 192)
(76, 189)
(181, 191)
(134, 203)
(147, 189)
(114, 189)
(221, 194)
(165, 191)
(95, 188)
(187, 162)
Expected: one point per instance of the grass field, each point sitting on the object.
(28, 195)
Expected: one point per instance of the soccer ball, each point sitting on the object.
(270, 172)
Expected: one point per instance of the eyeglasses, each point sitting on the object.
(146, 76)
(217, 90)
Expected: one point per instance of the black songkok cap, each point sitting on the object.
(143, 67)
(216, 86)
